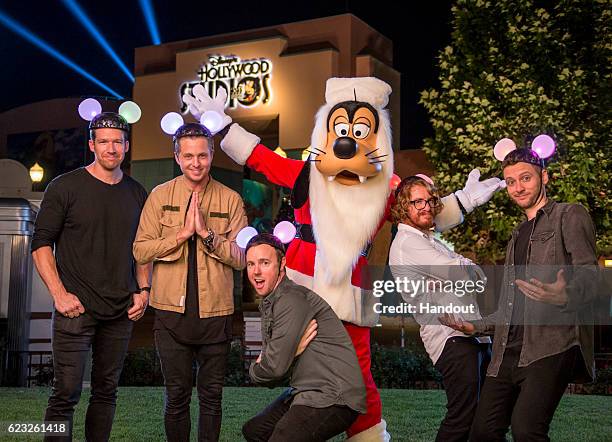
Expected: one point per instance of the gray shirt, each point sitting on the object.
(327, 372)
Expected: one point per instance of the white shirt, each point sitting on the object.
(418, 255)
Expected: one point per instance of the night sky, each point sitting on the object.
(28, 74)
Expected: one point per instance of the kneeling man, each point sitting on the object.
(326, 391)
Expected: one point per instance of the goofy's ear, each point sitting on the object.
(299, 193)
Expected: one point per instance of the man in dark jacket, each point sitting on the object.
(543, 330)
(326, 391)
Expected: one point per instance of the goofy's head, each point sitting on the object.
(352, 140)
(353, 163)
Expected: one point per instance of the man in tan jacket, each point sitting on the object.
(188, 228)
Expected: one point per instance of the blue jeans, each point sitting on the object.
(72, 339)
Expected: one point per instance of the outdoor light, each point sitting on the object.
(90, 27)
(280, 152)
(89, 108)
(502, 148)
(130, 111)
(171, 122)
(36, 173)
(25, 33)
(543, 145)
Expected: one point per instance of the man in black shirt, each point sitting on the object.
(90, 217)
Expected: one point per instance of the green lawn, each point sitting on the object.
(412, 415)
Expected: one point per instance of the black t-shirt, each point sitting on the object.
(521, 247)
(92, 226)
(189, 328)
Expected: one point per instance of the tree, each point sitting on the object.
(516, 69)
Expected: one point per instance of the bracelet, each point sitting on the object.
(208, 241)
(145, 289)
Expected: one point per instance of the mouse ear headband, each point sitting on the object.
(542, 147)
(284, 232)
(90, 109)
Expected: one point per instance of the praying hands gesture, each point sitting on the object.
(194, 222)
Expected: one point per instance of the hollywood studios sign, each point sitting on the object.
(247, 82)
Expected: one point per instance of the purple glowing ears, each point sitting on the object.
(543, 145)
(91, 107)
(285, 231)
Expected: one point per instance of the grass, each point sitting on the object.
(411, 415)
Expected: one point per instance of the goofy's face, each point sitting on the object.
(350, 155)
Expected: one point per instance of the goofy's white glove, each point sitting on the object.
(476, 193)
(200, 104)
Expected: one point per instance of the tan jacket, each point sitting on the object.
(162, 217)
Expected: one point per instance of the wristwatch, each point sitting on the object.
(208, 241)
(144, 289)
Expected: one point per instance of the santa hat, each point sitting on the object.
(367, 89)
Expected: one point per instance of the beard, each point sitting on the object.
(344, 220)
(421, 222)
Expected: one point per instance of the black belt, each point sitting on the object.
(305, 233)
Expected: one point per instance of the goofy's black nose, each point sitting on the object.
(345, 148)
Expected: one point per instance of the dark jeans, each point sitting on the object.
(281, 422)
(523, 397)
(71, 340)
(463, 364)
(177, 367)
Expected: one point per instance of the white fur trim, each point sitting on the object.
(351, 304)
(450, 216)
(377, 433)
(238, 144)
(368, 89)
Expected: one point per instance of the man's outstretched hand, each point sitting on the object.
(553, 293)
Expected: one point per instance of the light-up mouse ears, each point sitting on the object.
(211, 120)
(543, 145)
(90, 108)
(285, 231)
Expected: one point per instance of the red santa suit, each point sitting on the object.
(335, 225)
